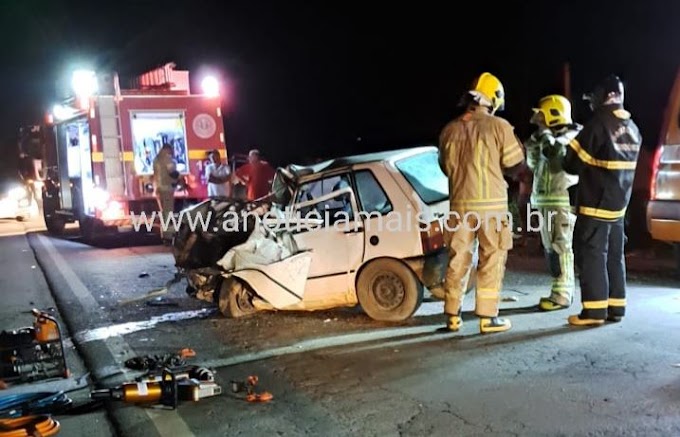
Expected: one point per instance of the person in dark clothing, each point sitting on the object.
(604, 155)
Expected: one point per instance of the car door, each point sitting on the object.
(325, 213)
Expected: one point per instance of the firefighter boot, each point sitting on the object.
(561, 265)
(454, 323)
(553, 303)
(489, 325)
(576, 320)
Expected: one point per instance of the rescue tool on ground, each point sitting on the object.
(33, 353)
(167, 389)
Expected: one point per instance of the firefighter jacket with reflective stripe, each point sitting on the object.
(545, 150)
(474, 149)
(604, 155)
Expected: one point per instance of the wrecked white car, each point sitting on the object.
(361, 230)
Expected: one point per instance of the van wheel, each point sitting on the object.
(235, 299)
(389, 291)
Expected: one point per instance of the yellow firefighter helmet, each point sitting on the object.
(556, 110)
(488, 91)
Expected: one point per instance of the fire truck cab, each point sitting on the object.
(104, 138)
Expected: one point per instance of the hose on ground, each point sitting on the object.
(28, 404)
(29, 426)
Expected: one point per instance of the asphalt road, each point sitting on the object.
(24, 288)
(339, 373)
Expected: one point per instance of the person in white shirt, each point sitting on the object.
(218, 175)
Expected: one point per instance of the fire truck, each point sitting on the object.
(104, 138)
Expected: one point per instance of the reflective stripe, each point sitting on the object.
(198, 154)
(97, 156)
(622, 114)
(595, 305)
(601, 213)
(471, 201)
(128, 156)
(512, 155)
(587, 158)
(487, 185)
(617, 302)
(556, 203)
(480, 170)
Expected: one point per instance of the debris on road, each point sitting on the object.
(510, 299)
(155, 362)
(143, 275)
(162, 302)
(249, 387)
(153, 293)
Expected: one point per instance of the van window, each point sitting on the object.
(422, 171)
(372, 197)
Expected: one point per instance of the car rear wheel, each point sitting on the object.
(676, 252)
(388, 290)
(235, 299)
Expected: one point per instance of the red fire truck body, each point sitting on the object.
(100, 158)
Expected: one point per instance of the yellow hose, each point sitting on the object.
(29, 426)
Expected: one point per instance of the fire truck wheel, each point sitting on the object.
(88, 228)
(235, 299)
(55, 225)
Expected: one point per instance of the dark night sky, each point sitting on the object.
(306, 81)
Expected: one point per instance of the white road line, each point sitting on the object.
(315, 344)
(166, 422)
(120, 329)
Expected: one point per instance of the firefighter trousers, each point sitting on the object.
(557, 229)
(598, 247)
(493, 237)
(166, 204)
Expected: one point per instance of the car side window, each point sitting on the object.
(336, 208)
(372, 197)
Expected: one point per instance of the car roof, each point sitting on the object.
(348, 161)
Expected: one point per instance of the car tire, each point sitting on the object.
(676, 253)
(20, 218)
(235, 299)
(388, 290)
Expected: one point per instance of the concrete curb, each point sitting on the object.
(127, 420)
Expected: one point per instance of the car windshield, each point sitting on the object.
(422, 171)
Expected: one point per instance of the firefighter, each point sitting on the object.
(550, 194)
(604, 155)
(474, 151)
(165, 181)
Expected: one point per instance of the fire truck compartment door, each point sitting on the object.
(282, 283)
(111, 146)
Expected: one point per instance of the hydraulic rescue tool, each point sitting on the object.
(167, 389)
(33, 353)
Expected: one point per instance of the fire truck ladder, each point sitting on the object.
(112, 143)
